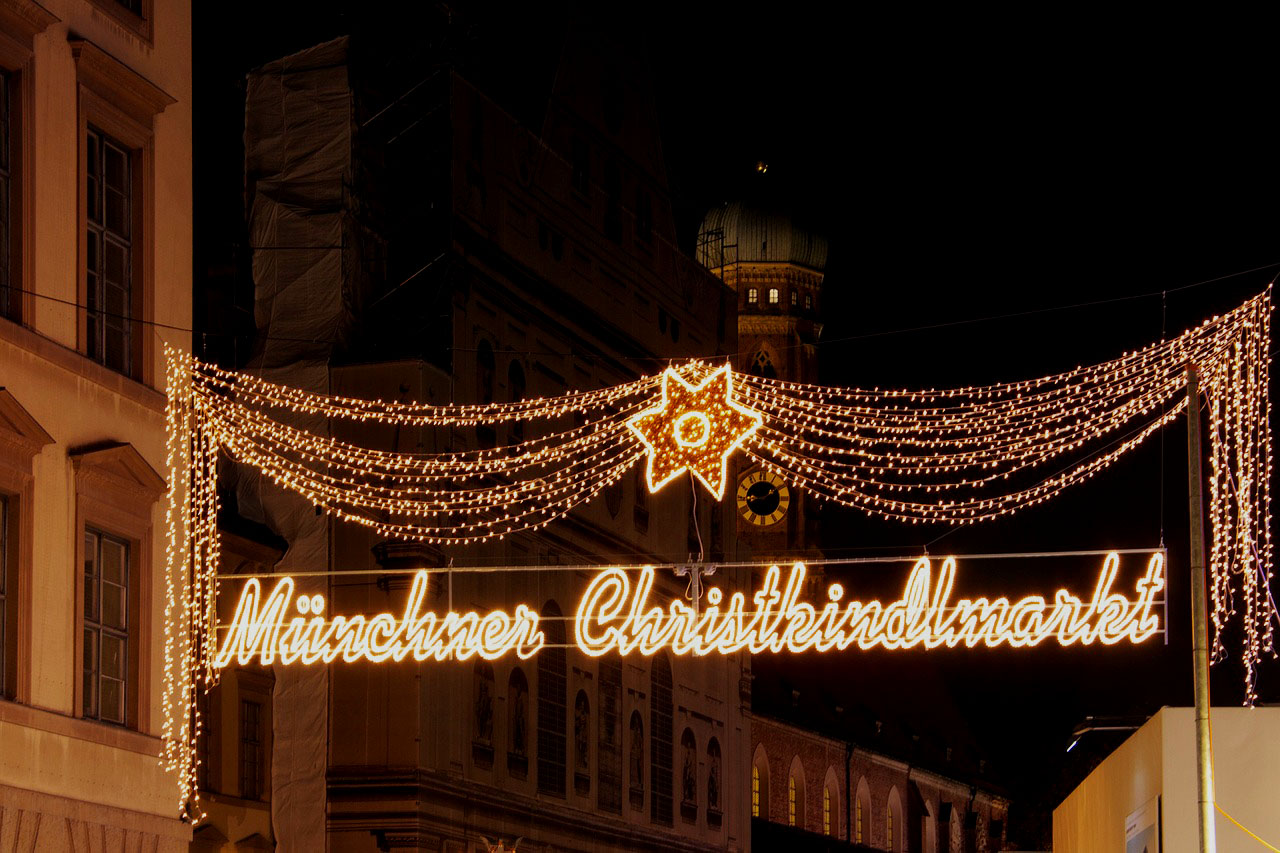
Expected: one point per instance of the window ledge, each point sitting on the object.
(105, 734)
(73, 362)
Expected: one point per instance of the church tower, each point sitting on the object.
(776, 269)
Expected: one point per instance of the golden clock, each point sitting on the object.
(763, 497)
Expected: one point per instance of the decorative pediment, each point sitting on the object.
(119, 84)
(23, 20)
(117, 466)
(18, 429)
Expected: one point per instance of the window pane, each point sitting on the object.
(91, 576)
(113, 605)
(113, 560)
(112, 657)
(112, 700)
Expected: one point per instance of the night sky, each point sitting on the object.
(1005, 197)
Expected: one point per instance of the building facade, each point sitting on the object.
(446, 252)
(95, 273)
(816, 786)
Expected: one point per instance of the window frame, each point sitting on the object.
(115, 491)
(96, 623)
(775, 296)
(21, 438)
(259, 745)
(141, 25)
(20, 22)
(118, 102)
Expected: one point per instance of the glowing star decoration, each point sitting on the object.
(694, 428)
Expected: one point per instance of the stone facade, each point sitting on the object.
(96, 104)
(931, 812)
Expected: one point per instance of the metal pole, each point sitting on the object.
(1199, 617)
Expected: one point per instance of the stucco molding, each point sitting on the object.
(117, 83)
(21, 21)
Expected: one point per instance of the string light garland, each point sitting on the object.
(953, 456)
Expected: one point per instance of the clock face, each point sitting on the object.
(763, 497)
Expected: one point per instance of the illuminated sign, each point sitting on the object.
(616, 614)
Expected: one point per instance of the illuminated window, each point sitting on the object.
(753, 295)
(755, 791)
(109, 215)
(609, 751)
(808, 302)
(661, 721)
(826, 811)
(105, 627)
(857, 821)
(760, 783)
(791, 801)
(552, 704)
(889, 827)
(251, 753)
(773, 296)
(794, 297)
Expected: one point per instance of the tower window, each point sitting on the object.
(773, 296)
(753, 296)
(794, 298)
(808, 302)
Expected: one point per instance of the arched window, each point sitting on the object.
(755, 791)
(482, 715)
(795, 794)
(518, 725)
(552, 699)
(609, 754)
(831, 804)
(762, 365)
(660, 734)
(773, 296)
(861, 812)
(688, 777)
(517, 388)
(636, 761)
(753, 295)
(895, 829)
(760, 783)
(713, 781)
(582, 743)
